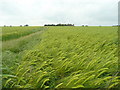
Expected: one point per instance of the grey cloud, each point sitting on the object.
(39, 12)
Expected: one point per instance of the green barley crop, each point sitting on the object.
(70, 57)
(9, 33)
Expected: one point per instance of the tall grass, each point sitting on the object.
(14, 50)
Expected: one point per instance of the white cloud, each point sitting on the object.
(39, 12)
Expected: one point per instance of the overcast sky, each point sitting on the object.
(40, 12)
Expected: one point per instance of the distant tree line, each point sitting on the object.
(59, 25)
(84, 25)
(116, 25)
(20, 25)
(24, 25)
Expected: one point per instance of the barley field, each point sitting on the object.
(9, 33)
(60, 57)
